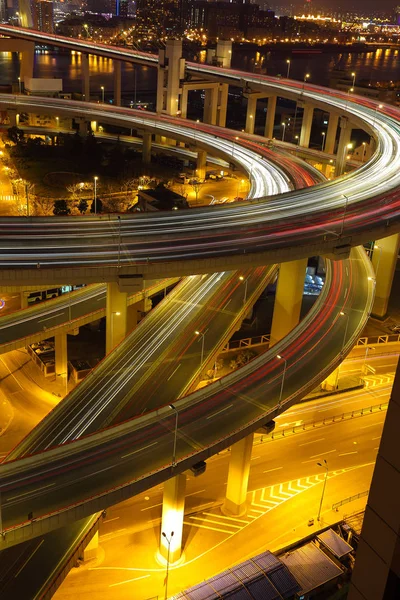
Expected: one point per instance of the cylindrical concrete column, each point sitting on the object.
(306, 124)
(117, 64)
(83, 127)
(201, 164)
(173, 510)
(146, 148)
(222, 104)
(270, 119)
(288, 298)
(27, 61)
(85, 77)
(184, 102)
(210, 105)
(330, 140)
(238, 476)
(61, 353)
(384, 260)
(251, 113)
(116, 316)
(24, 299)
(344, 140)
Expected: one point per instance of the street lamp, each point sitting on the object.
(347, 315)
(354, 79)
(169, 540)
(113, 314)
(102, 93)
(203, 335)
(283, 132)
(95, 195)
(376, 247)
(364, 151)
(175, 434)
(283, 377)
(344, 213)
(245, 288)
(19, 85)
(288, 68)
(323, 141)
(306, 76)
(375, 112)
(296, 137)
(324, 465)
(350, 90)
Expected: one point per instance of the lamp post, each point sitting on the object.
(288, 68)
(375, 113)
(350, 91)
(283, 132)
(306, 77)
(377, 247)
(323, 141)
(347, 315)
(19, 85)
(175, 434)
(169, 540)
(323, 464)
(245, 288)
(95, 195)
(203, 335)
(113, 314)
(354, 79)
(283, 377)
(344, 213)
(102, 93)
(364, 151)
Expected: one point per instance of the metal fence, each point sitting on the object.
(337, 505)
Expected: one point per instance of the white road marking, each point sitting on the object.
(219, 411)
(194, 493)
(139, 450)
(313, 442)
(347, 453)
(378, 437)
(52, 317)
(276, 469)
(28, 559)
(11, 373)
(149, 507)
(128, 581)
(323, 453)
(30, 492)
(109, 520)
(173, 372)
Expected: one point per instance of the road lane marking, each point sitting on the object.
(276, 469)
(173, 372)
(194, 493)
(128, 581)
(11, 373)
(109, 520)
(313, 442)
(255, 457)
(378, 437)
(28, 559)
(209, 528)
(52, 317)
(347, 453)
(227, 304)
(139, 450)
(30, 492)
(323, 453)
(372, 425)
(219, 411)
(149, 507)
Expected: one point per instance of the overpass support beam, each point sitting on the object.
(85, 77)
(376, 574)
(270, 119)
(222, 104)
(306, 124)
(117, 64)
(172, 518)
(201, 164)
(90, 552)
(24, 299)
(384, 260)
(238, 477)
(146, 148)
(116, 316)
(184, 102)
(344, 140)
(251, 112)
(288, 298)
(13, 117)
(27, 61)
(137, 311)
(210, 105)
(83, 127)
(61, 352)
(330, 140)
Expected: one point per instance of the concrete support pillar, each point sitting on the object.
(116, 316)
(24, 299)
(344, 140)
(90, 552)
(251, 112)
(222, 104)
(238, 476)
(201, 164)
(85, 77)
(288, 298)
(306, 124)
(61, 357)
(172, 517)
(270, 119)
(27, 61)
(13, 117)
(171, 67)
(224, 53)
(117, 64)
(146, 148)
(331, 382)
(210, 105)
(376, 574)
(83, 127)
(384, 260)
(184, 102)
(330, 139)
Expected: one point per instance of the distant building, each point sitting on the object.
(160, 198)
(121, 8)
(43, 15)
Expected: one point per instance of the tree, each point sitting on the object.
(15, 134)
(98, 206)
(42, 205)
(196, 186)
(61, 208)
(83, 206)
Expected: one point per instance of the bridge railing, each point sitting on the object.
(337, 505)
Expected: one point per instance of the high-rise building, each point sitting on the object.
(3, 10)
(43, 15)
(121, 8)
